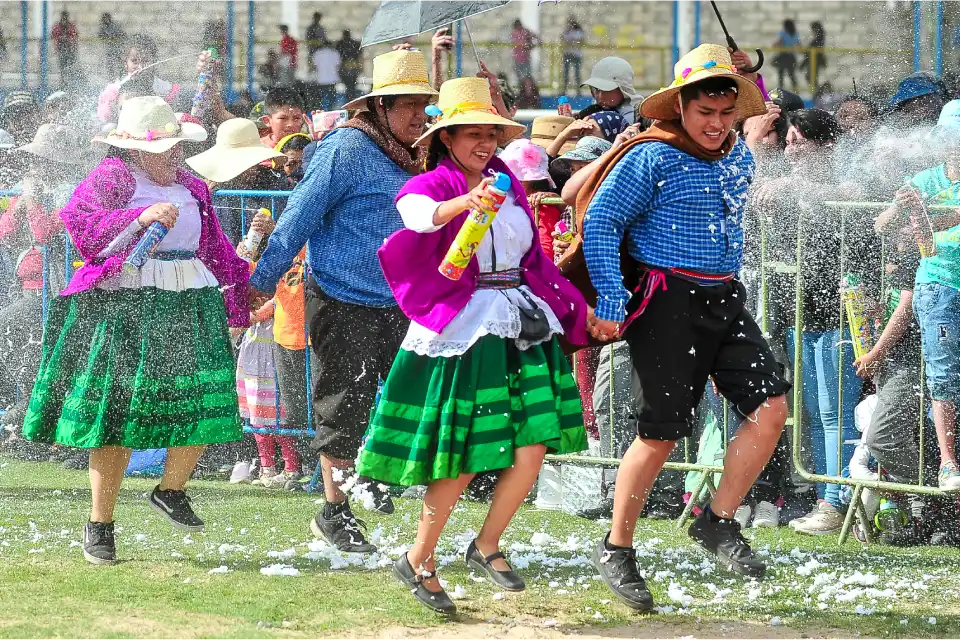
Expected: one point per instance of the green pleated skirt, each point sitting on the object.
(138, 368)
(440, 417)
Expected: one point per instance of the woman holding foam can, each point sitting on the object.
(480, 383)
(140, 358)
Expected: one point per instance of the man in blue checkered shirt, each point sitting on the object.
(673, 200)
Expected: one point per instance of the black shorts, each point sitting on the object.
(292, 380)
(690, 333)
(355, 347)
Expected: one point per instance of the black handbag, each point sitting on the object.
(534, 325)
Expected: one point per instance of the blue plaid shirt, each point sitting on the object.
(342, 210)
(678, 211)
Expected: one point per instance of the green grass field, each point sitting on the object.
(211, 584)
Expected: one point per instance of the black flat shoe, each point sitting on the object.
(509, 580)
(438, 601)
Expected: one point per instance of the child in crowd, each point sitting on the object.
(529, 162)
(611, 85)
(936, 299)
(292, 147)
(291, 352)
(283, 114)
(257, 384)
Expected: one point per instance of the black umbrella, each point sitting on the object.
(395, 19)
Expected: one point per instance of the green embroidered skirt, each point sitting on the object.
(139, 368)
(440, 417)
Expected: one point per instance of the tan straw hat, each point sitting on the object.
(398, 73)
(705, 62)
(63, 144)
(149, 124)
(467, 101)
(546, 129)
(238, 148)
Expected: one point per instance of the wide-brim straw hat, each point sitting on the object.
(705, 62)
(398, 73)
(466, 101)
(149, 124)
(545, 130)
(61, 144)
(238, 148)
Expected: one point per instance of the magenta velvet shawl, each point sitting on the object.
(410, 262)
(97, 213)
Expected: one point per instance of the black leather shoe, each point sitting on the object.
(618, 568)
(509, 580)
(439, 601)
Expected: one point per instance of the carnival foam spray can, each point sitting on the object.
(199, 105)
(564, 234)
(474, 228)
(563, 107)
(141, 251)
(253, 238)
(861, 326)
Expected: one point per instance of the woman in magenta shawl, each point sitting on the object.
(476, 387)
(142, 360)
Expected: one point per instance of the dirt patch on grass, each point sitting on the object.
(525, 627)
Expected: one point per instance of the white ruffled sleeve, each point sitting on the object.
(417, 212)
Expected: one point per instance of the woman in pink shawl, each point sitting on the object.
(481, 382)
(142, 359)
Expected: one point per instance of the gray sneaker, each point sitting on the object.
(826, 520)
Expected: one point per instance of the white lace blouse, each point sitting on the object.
(490, 311)
(170, 275)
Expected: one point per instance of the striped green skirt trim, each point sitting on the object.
(138, 368)
(440, 417)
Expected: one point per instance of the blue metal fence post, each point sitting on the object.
(251, 44)
(938, 51)
(917, 20)
(676, 31)
(44, 57)
(24, 34)
(231, 94)
(459, 48)
(696, 23)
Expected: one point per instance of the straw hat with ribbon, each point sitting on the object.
(705, 62)
(238, 148)
(398, 73)
(467, 101)
(62, 144)
(149, 124)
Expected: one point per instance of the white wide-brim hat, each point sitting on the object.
(149, 124)
(237, 149)
(61, 144)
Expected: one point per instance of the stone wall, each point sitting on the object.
(642, 32)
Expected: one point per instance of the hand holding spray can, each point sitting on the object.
(563, 107)
(861, 326)
(474, 228)
(564, 234)
(253, 238)
(141, 251)
(199, 106)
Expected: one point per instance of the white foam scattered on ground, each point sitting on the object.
(221, 569)
(286, 554)
(280, 570)
(458, 593)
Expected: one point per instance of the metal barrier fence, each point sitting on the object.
(652, 63)
(223, 200)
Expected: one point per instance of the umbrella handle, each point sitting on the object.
(733, 45)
